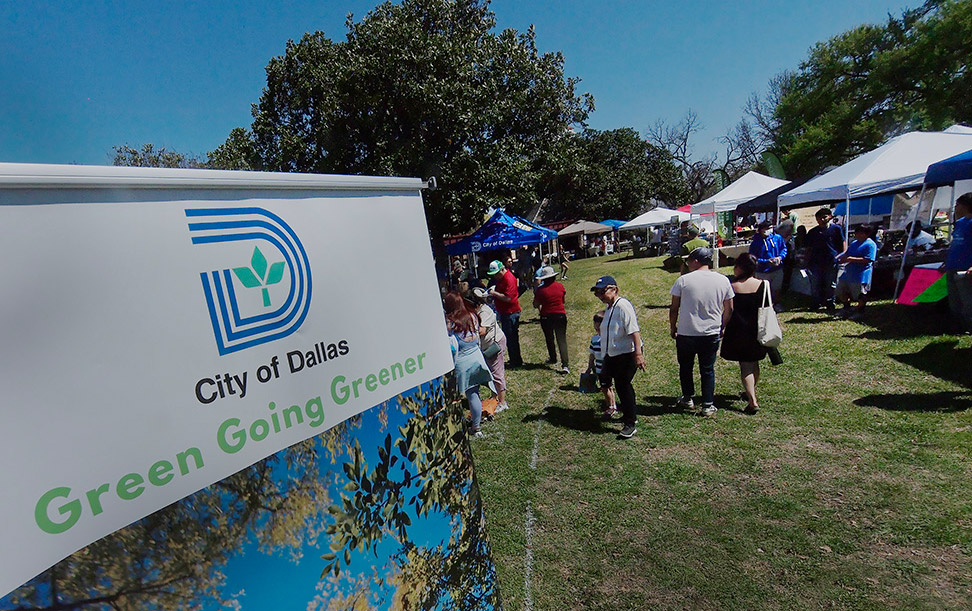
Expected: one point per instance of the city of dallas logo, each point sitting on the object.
(260, 298)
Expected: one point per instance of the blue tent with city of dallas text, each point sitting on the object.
(502, 231)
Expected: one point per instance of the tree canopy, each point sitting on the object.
(618, 174)
(869, 83)
(420, 88)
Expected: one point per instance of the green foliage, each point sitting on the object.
(171, 560)
(875, 81)
(426, 469)
(617, 174)
(419, 88)
(151, 157)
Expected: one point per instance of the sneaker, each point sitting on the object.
(708, 411)
(609, 414)
(685, 403)
(551, 361)
(475, 434)
(751, 409)
(743, 396)
(777, 307)
(627, 432)
(501, 407)
(565, 369)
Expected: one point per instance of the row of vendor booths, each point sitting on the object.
(913, 177)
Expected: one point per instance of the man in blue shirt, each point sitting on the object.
(856, 279)
(823, 243)
(770, 250)
(958, 264)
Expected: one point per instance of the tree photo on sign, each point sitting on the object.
(312, 526)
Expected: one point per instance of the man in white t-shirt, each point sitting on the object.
(701, 307)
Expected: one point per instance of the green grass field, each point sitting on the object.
(852, 488)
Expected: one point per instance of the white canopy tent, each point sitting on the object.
(898, 165)
(654, 217)
(584, 227)
(749, 187)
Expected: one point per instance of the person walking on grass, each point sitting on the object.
(620, 349)
(701, 307)
(739, 341)
(492, 342)
(471, 369)
(506, 297)
(564, 262)
(958, 265)
(548, 297)
(770, 250)
(595, 364)
(855, 282)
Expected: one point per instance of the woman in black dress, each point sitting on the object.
(739, 338)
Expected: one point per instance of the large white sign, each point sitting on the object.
(151, 347)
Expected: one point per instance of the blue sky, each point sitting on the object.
(81, 76)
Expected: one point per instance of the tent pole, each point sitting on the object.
(715, 231)
(911, 234)
(951, 215)
(847, 217)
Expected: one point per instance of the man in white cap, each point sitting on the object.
(506, 297)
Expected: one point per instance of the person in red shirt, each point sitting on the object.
(548, 297)
(506, 298)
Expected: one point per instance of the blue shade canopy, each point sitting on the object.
(613, 223)
(502, 231)
(947, 171)
(879, 205)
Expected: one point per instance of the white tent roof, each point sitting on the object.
(750, 186)
(585, 227)
(897, 165)
(655, 216)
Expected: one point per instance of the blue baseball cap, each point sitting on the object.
(603, 282)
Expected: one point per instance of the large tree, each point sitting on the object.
(872, 82)
(420, 88)
(618, 174)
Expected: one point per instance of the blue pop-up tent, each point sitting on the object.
(947, 171)
(502, 231)
(879, 205)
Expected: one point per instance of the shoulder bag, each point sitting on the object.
(768, 332)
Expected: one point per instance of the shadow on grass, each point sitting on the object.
(659, 405)
(919, 402)
(944, 360)
(651, 306)
(808, 320)
(888, 320)
(528, 367)
(586, 420)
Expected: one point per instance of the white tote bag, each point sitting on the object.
(768, 332)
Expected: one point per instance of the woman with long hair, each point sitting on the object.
(739, 341)
(492, 341)
(471, 368)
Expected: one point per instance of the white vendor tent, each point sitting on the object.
(584, 227)
(898, 165)
(749, 187)
(654, 217)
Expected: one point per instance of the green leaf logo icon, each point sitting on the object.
(257, 275)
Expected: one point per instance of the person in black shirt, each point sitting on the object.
(823, 243)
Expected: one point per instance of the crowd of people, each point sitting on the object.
(708, 311)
